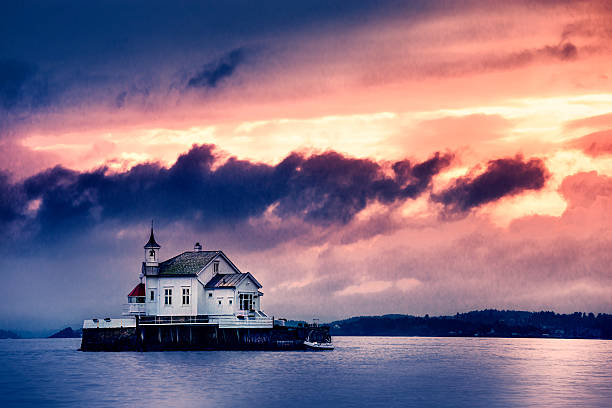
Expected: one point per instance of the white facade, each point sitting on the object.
(198, 283)
(171, 296)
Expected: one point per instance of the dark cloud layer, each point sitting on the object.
(564, 51)
(322, 189)
(216, 71)
(502, 177)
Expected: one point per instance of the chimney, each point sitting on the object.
(197, 247)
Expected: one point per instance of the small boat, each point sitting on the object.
(315, 345)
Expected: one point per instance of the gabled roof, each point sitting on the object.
(139, 290)
(152, 243)
(187, 263)
(231, 280)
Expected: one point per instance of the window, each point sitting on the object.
(167, 296)
(152, 254)
(210, 294)
(219, 303)
(185, 296)
(152, 298)
(246, 301)
(230, 301)
(216, 267)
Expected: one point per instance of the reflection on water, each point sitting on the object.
(362, 371)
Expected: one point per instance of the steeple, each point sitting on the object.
(152, 250)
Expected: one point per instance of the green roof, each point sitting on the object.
(187, 263)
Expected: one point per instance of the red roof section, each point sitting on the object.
(139, 290)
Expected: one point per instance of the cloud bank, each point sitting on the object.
(322, 189)
(502, 177)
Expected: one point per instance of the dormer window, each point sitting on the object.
(216, 267)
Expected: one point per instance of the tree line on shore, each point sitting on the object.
(482, 323)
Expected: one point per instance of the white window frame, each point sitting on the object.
(152, 296)
(215, 267)
(248, 298)
(167, 296)
(186, 295)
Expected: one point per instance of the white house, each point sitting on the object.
(196, 286)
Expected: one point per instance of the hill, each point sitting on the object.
(5, 334)
(484, 323)
(67, 333)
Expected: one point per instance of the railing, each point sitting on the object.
(134, 309)
(157, 320)
(223, 321)
(248, 321)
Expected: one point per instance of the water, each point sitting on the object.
(362, 371)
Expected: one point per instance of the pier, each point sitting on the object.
(193, 333)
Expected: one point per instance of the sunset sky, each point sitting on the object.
(357, 157)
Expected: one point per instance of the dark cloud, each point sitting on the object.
(502, 177)
(215, 72)
(564, 51)
(120, 99)
(321, 189)
(12, 201)
(333, 188)
(503, 60)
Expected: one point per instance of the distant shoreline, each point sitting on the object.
(484, 323)
(489, 323)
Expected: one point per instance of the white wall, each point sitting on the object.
(159, 284)
(209, 303)
(224, 268)
(151, 284)
(200, 301)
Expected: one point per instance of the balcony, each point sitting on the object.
(134, 309)
(260, 320)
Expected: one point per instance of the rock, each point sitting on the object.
(5, 334)
(67, 333)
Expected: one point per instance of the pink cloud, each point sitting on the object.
(594, 144)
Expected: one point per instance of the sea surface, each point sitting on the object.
(361, 372)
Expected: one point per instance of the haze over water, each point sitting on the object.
(362, 371)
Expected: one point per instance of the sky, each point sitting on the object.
(358, 158)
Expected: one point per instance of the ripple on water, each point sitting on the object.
(362, 371)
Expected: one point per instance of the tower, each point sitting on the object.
(152, 250)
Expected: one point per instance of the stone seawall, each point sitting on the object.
(116, 339)
(194, 337)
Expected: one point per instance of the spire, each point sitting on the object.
(152, 243)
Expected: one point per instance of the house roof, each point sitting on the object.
(231, 280)
(152, 243)
(139, 290)
(187, 263)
